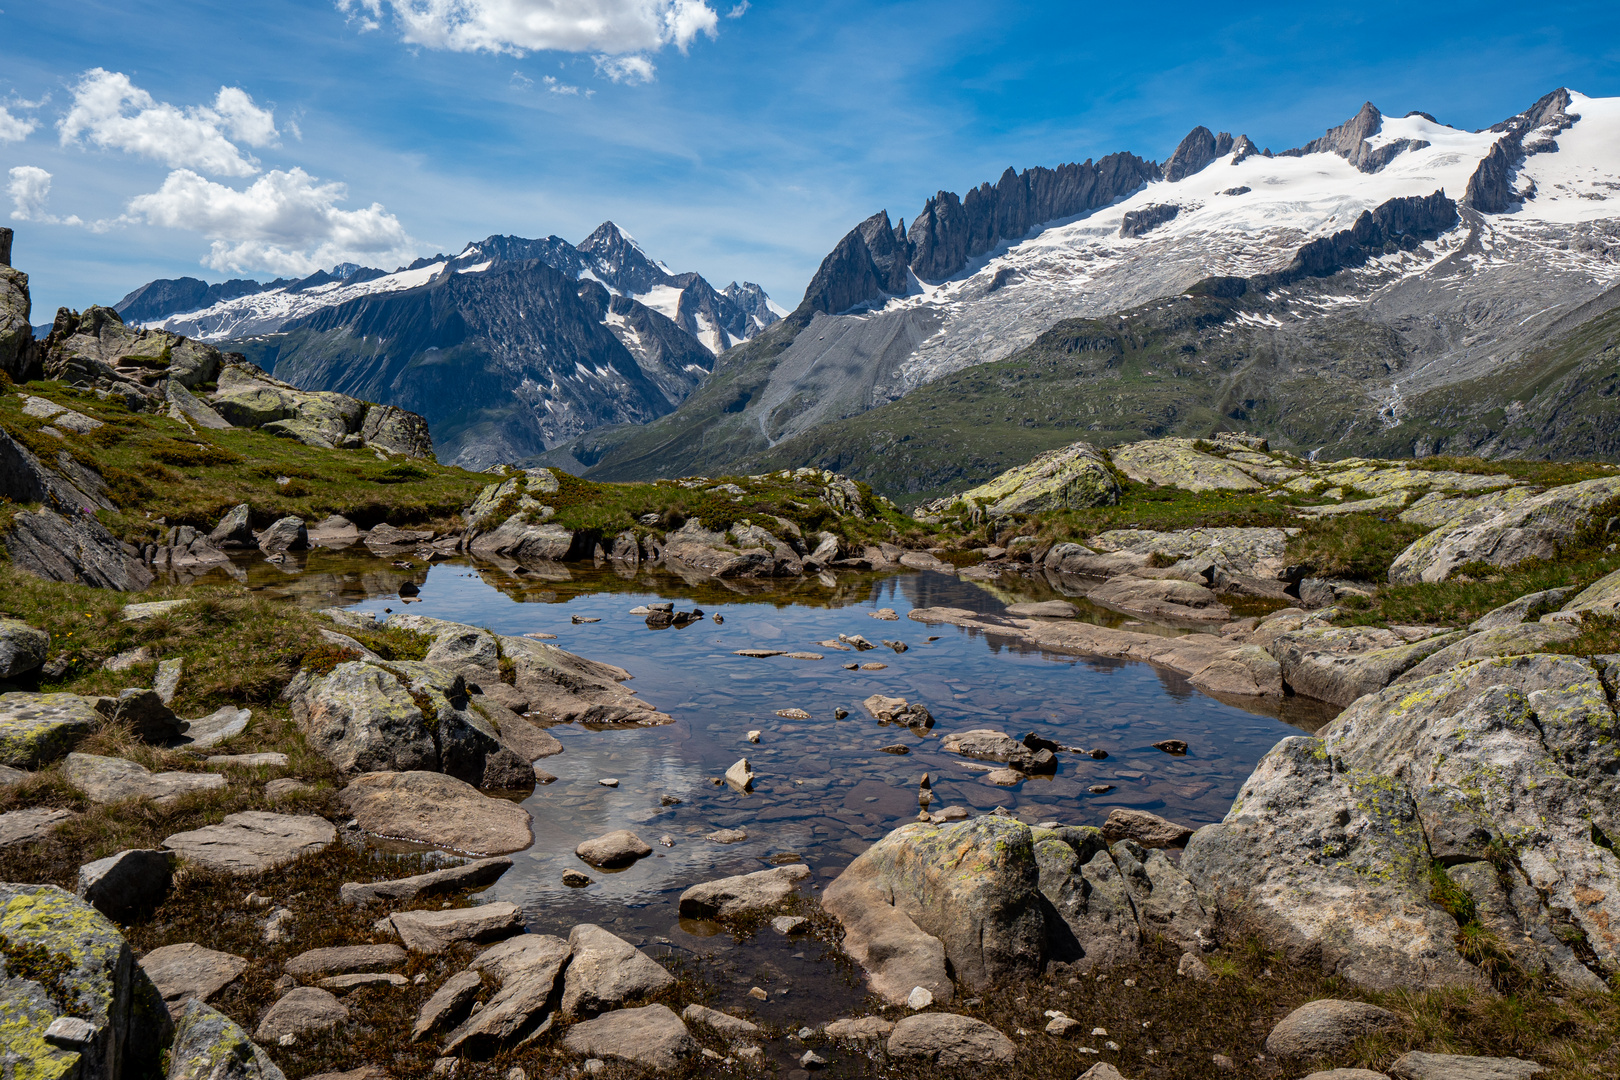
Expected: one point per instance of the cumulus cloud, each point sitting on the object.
(112, 112)
(739, 11)
(626, 69)
(284, 222)
(613, 27)
(15, 128)
(30, 189)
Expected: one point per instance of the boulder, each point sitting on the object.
(1505, 530)
(191, 971)
(304, 1010)
(740, 776)
(1165, 903)
(123, 1022)
(110, 779)
(515, 955)
(62, 540)
(147, 716)
(26, 826)
(1340, 664)
(1089, 895)
(1601, 597)
(235, 529)
(651, 1037)
(1256, 552)
(525, 540)
(1176, 463)
(223, 723)
(344, 960)
(949, 1040)
(606, 971)
(127, 882)
(1327, 1028)
(1045, 609)
(437, 931)
(518, 1013)
(1148, 829)
(618, 848)
(732, 1027)
(449, 1003)
(1072, 558)
(37, 729)
(859, 1029)
(253, 841)
(987, 745)
(1248, 671)
(1503, 641)
(1070, 478)
(1527, 608)
(370, 716)
(208, 1045)
(22, 648)
(185, 407)
(1161, 598)
(469, 875)
(1417, 1065)
(385, 535)
(431, 808)
(745, 894)
(481, 513)
(284, 534)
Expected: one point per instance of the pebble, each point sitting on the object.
(850, 667)
(669, 800)
(576, 619)
(758, 995)
(610, 781)
(1171, 746)
(728, 836)
(793, 714)
(789, 924)
(753, 736)
(1100, 789)
(812, 1060)
(667, 840)
(895, 749)
(873, 667)
(840, 713)
(919, 998)
(575, 880)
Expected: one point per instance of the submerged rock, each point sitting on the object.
(745, 894)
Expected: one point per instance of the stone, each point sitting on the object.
(125, 883)
(234, 530)
(90, 968)
(1340, 664)
(432, 808)
(1192, 966)
(22, 648)
(191, 971)
(987, 745)
(897, 710)
(342, 984)
(618, 848)
(1527, 608)
(1069, 478)
(1601, 597)
(517, 1014)
(606, 971)
(1176, 463)
(284, 534)
(276, 790)
(225, 722)
(745, 894)
(576, 880)
(1045, 609)
(208, 1045)
(1063, 1026)
(811, 1060)
(150, 609)
(146, 714)
(253, 841)
(247, 761)
(1171, 746)
(72, 546)
(1504, 530)
(167, 680)
(448, 1004)
(1417, 1065)
(385, 535)
(1346, 1074)
(515, 955)
(26, 826)
(110, 779)
(859, 1029)
(652, 1037)
(919, 998)
(1161, 598)
(1327, 1028)
(1148, 829)
(741, 776)
(721, 1023)
(469, 875)
(344, 960)
(1102, 1071)
(437, 931)
(305, 1010)
(1503, 641)
(728, 836)
(37, 729)
(949, 1040)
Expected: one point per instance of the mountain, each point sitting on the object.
(508, 347)
(1397, 286)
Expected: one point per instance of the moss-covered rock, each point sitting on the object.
(22, 648)
(1071, 478)
(208, 1045)
(1177, 463)
(37, 729)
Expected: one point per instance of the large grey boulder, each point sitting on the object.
(517, 1014)
(284, 534)
(146, 715)
(431, 808)
(305, 1010)
(1165, 903)
(190, 971)
(208, 1045)
(705, 552)
(247, 396)
(73, 548)
(235, 529)
(368, 716)
(1527, 608)
(1602, 597)
(253, 841)
(127, 882)
(606, 971)
(1070, 478)
(1148, 829)
(617, 848)
(1178, 463)
(515, 955)
(515, 494)
(16, 335)
(1161, 598)
(950, 1040)
(1505, 530)
(525, 540)
(1340, 664)
(1090, 896)
(744, 894)
(652, 1037)
(95, 980)
(22, 648)
(1258, 552)
(1327, 1027)
(1502, 641)
(37, 729)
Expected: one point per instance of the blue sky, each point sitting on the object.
(737, 139)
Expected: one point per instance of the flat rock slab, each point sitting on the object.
(1326, 1028)
(191, 971)
(345, 960)
(448, 1004)
(302, 1011)
(110, 779)
(1044, 609)
(22, 826)
(745, 894)
(606, 971)
(470, 875)
(136, 612)
(221, 724)
(860, 1028)
(1420, 1066)
(37, 729)
(248, 761)
(517, 1014)
(652, 1037)
(950, 1040)
(618, 848)
(432, 808)
(253, 841)
(515, 955)
(342, 984)
(436, 931)
(715, 1020)
(1149, 830)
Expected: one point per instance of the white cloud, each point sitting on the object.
(284, 222)
(30, 189)
(516, 26)
(559, 87)
(15, 128)
(626, 69)
(739, 11)
(115, 113)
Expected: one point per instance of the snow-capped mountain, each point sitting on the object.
(1532, 241)
(507, 347)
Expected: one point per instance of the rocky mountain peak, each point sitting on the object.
(1199, 148)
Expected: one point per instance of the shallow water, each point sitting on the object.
(824, 789)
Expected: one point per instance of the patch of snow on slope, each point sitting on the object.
(664, 299)
(1580, 181)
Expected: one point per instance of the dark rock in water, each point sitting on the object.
(409, 588)
(234, 530)
(1171, 746)
(285, 534)
(1035, 742)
